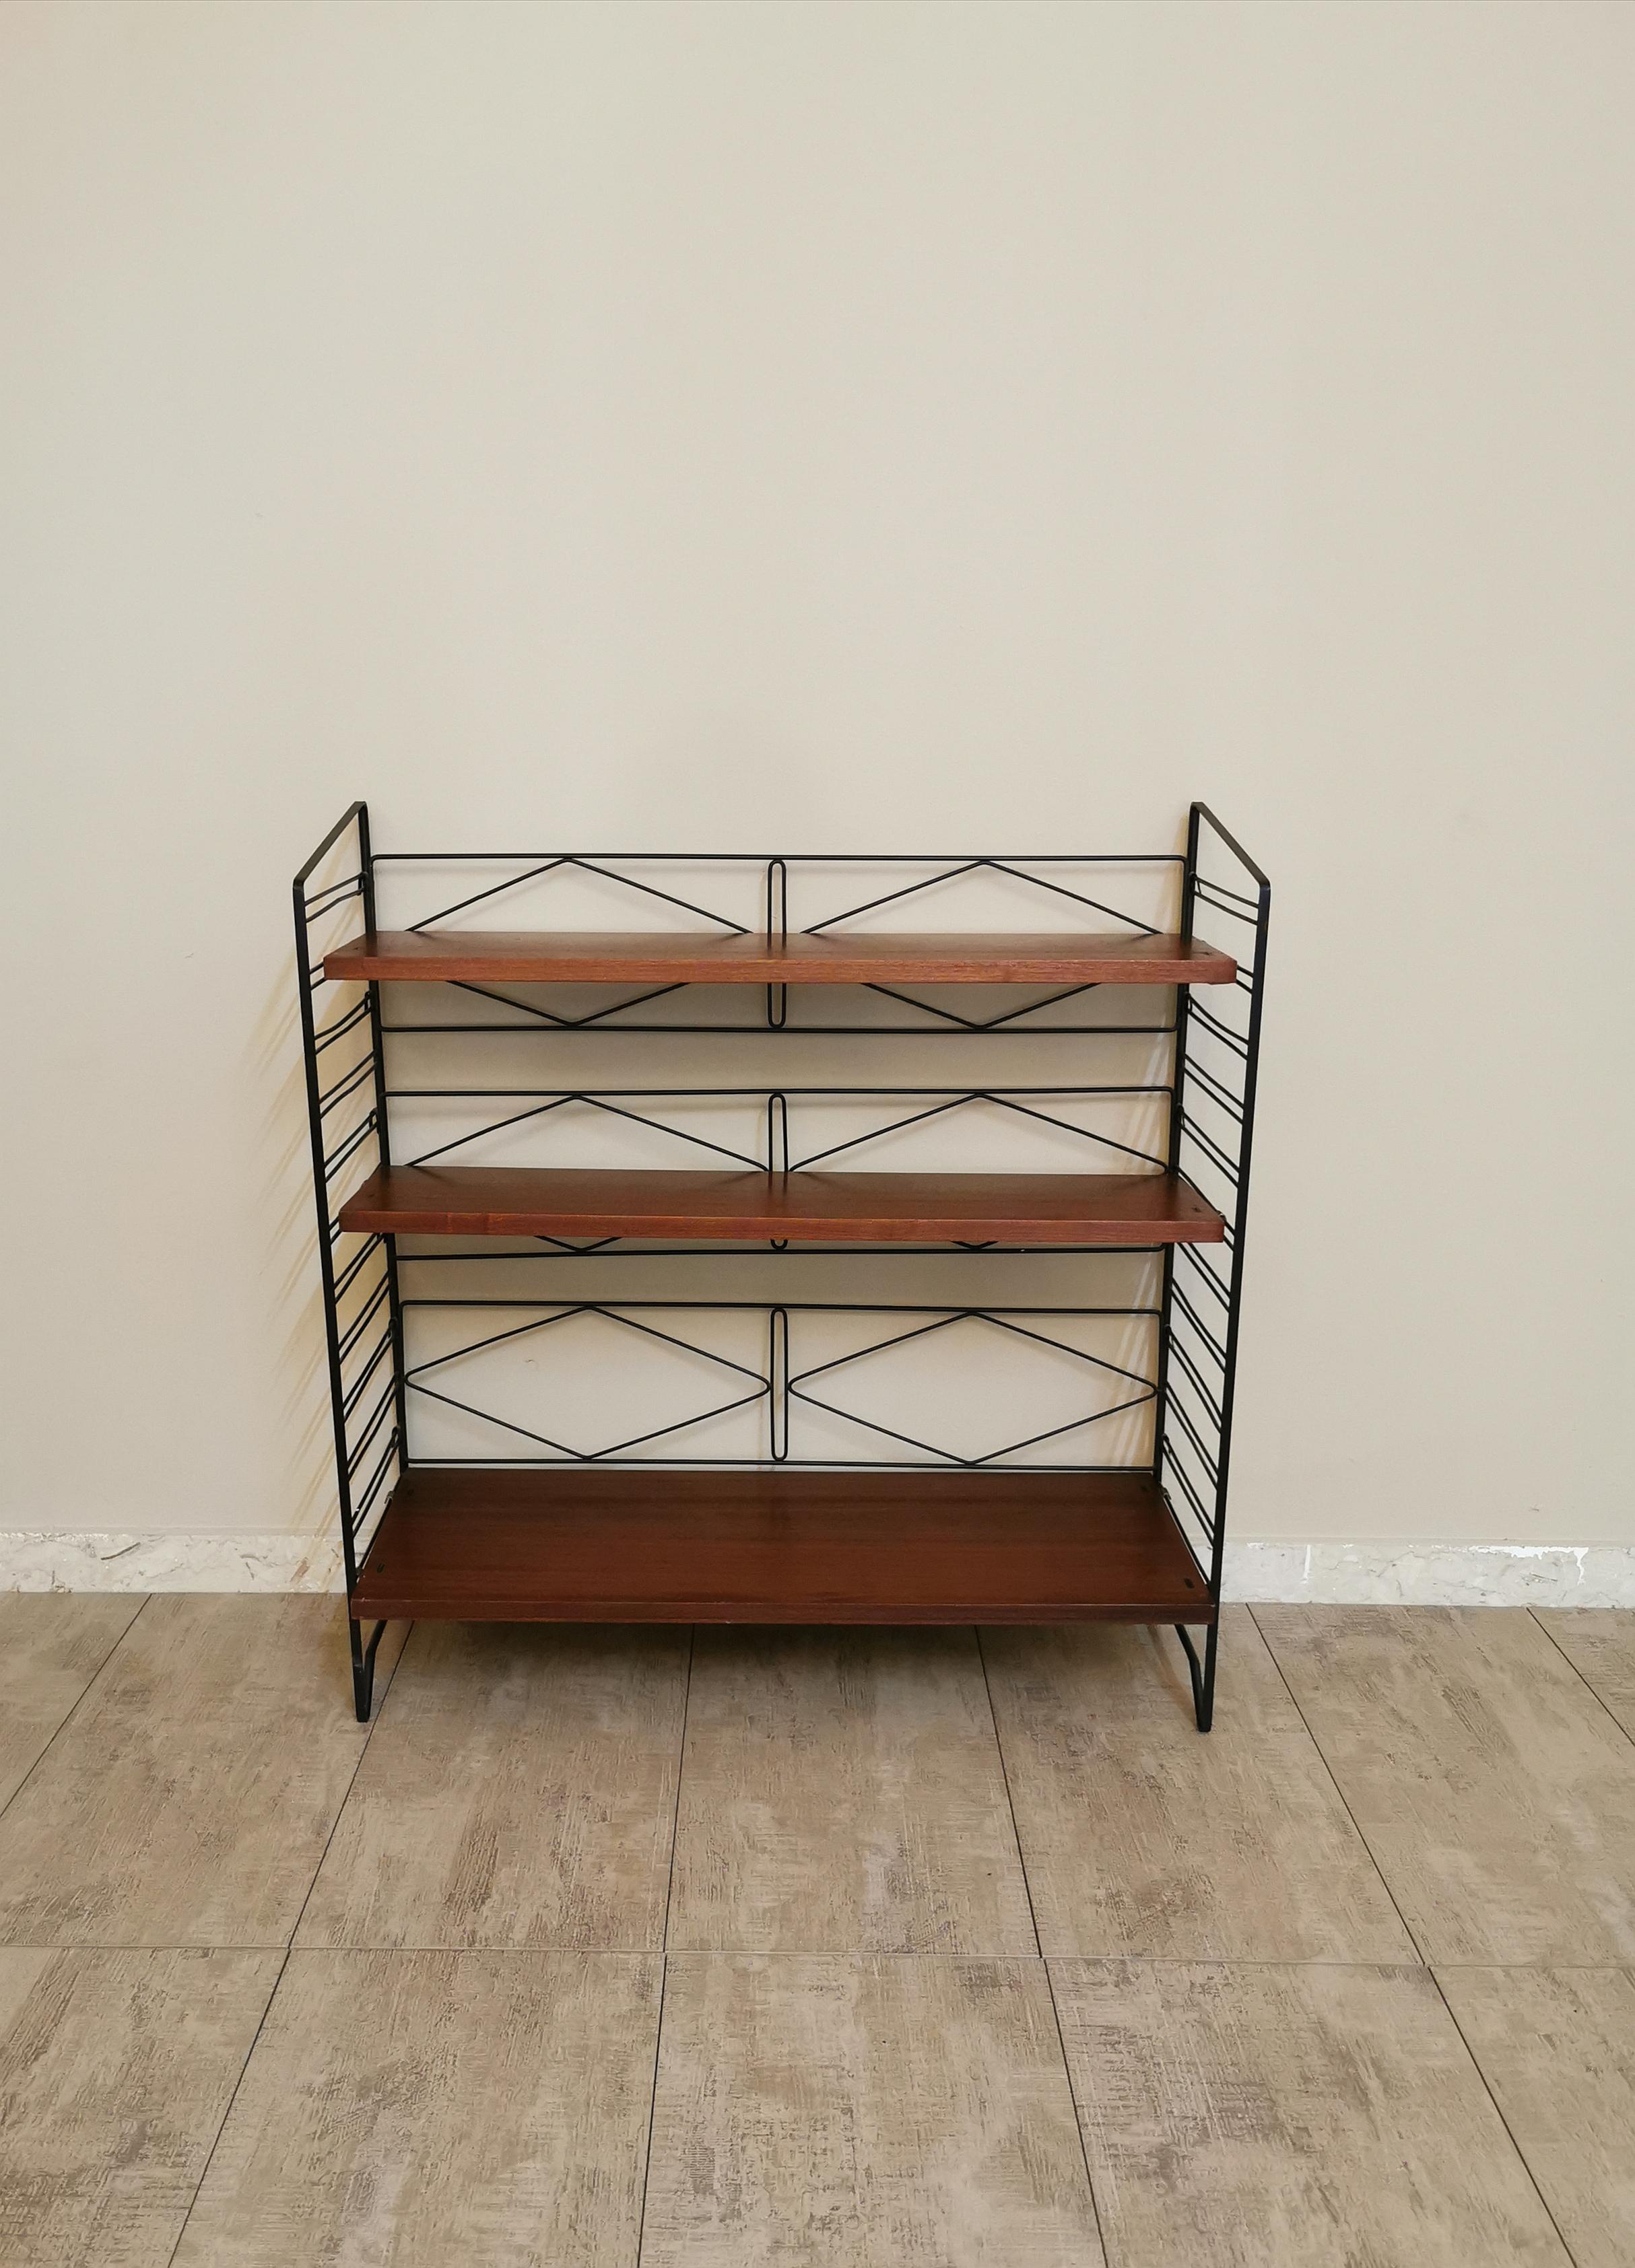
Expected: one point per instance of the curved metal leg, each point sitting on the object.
(363, 1668)
(1202, 1673)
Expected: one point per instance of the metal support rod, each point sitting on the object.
(778, 926)
(1214, 1473)
(363, 1667)
(365, 1444)
(1201, 1673)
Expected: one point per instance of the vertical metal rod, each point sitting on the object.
(778, 927)
(777, 1133)
(778, 1380)
(363, 1667)
(1201, 1673)
(778, 1148)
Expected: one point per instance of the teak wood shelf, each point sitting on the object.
(1116, 1209)
(777, 1501)
(621, 957)
(781, 1547)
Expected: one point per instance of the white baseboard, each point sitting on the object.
(1433, 1574)
(37, 1560)
(1329, 1574)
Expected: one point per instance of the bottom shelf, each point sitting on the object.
(479, 1544)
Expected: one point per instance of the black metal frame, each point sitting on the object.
(1210, 1091)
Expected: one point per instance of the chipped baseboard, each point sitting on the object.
(1433, 1574)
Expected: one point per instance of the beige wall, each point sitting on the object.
(858, 425)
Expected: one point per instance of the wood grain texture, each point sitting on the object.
(1140, 1838)
(1558, 2048)
(518, 1790)
(1495, 1792)
(1290, 2117)
(1119, 1209)
(425, 2108)
(842, 1791)
(649, 957)
(856, 2113)
(52, 1644)
(1600, 1643)
(602, 1545)
(115, 2073)
(189, 1801)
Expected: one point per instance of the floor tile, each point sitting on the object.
(864, 2112)
(1558, 2048)
(424, 2108)
(842, 1791)
(1142, 1837)
(52, 1644)
(1600, 1643)
(1301, 2117)
(189, 1800)
(117, 2069)
(519, 1790)
(1493, 1789)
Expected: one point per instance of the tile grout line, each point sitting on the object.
(670, 1892)
(1579, 1674)
(340, 1808)
(1050, 1982)
(288, 1948)
(215, 2143)
(1333, 1782)
(1078, 2111)
(94, 1679)
(1004, 1780)
(1521, 2155)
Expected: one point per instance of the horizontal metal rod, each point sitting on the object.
(746, 1094)
(355, 1395)
(338, 1156)
(1204, 1519)
(794, 1306)
(341, 1025)
(1005, 1031)
(762, 857)
(1222, 1096)
(371, 1427)
(366, 1496)
(348, 1083)
(1233, 1040)
(360, 1322)
(772, 1465)
(328, 901)
(1232, 913)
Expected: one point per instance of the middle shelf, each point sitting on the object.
(901, 1208)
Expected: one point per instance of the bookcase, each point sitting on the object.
(575, 1371)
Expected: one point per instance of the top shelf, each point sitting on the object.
(435, 956)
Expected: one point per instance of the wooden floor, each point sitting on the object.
(864, 1949)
